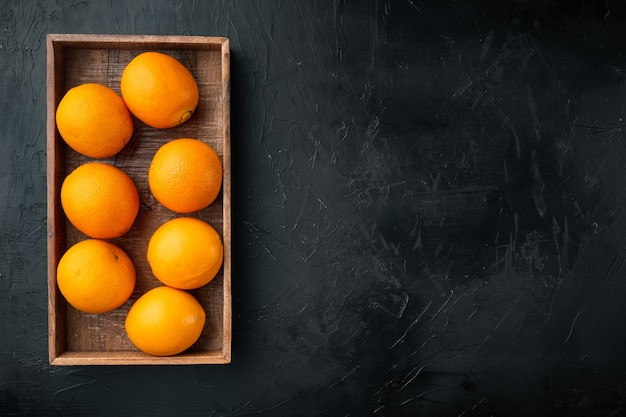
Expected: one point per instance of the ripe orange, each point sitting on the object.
(96, 276)
(94, 121)
(165, 321)
(100, 200)
(185, 175)
(159, 90)
(185, 253)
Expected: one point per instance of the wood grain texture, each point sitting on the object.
(76, 338)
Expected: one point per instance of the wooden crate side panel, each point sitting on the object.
(55, 230)
(70, 358)
(139, 42)
(227, 312)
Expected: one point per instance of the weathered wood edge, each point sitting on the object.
(227, 201)
(137, 41)
(56, 332)
(138, 358)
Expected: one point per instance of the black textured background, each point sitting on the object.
(428, 207)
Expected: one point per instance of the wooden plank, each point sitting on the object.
(72, 358)
(226, 193)
(76, 338)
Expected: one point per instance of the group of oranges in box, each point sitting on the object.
(185, 175)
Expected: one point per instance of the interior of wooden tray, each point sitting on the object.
(100, 338)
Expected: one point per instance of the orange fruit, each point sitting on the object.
(100, 200)
(159, 90)
(185, 175)
(96, 276)
(185, 253)
(94, 121)
(165, 321)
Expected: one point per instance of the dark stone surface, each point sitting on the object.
(428, 208)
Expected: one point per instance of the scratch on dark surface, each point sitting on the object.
(340, 36)
(573, 325)
(414, 323)
(410, 377)
(561, 249)
(515, 137)
(309, 36)
(487, 44)
(509, 254)
(616, 264)
(269, 248)
(592, 179)
(420, 10)
(373, 32)
(266, 28)
(499, 323)
(538, 186)
(532, 106)
(248, 402)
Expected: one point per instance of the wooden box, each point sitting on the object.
(76, 338)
